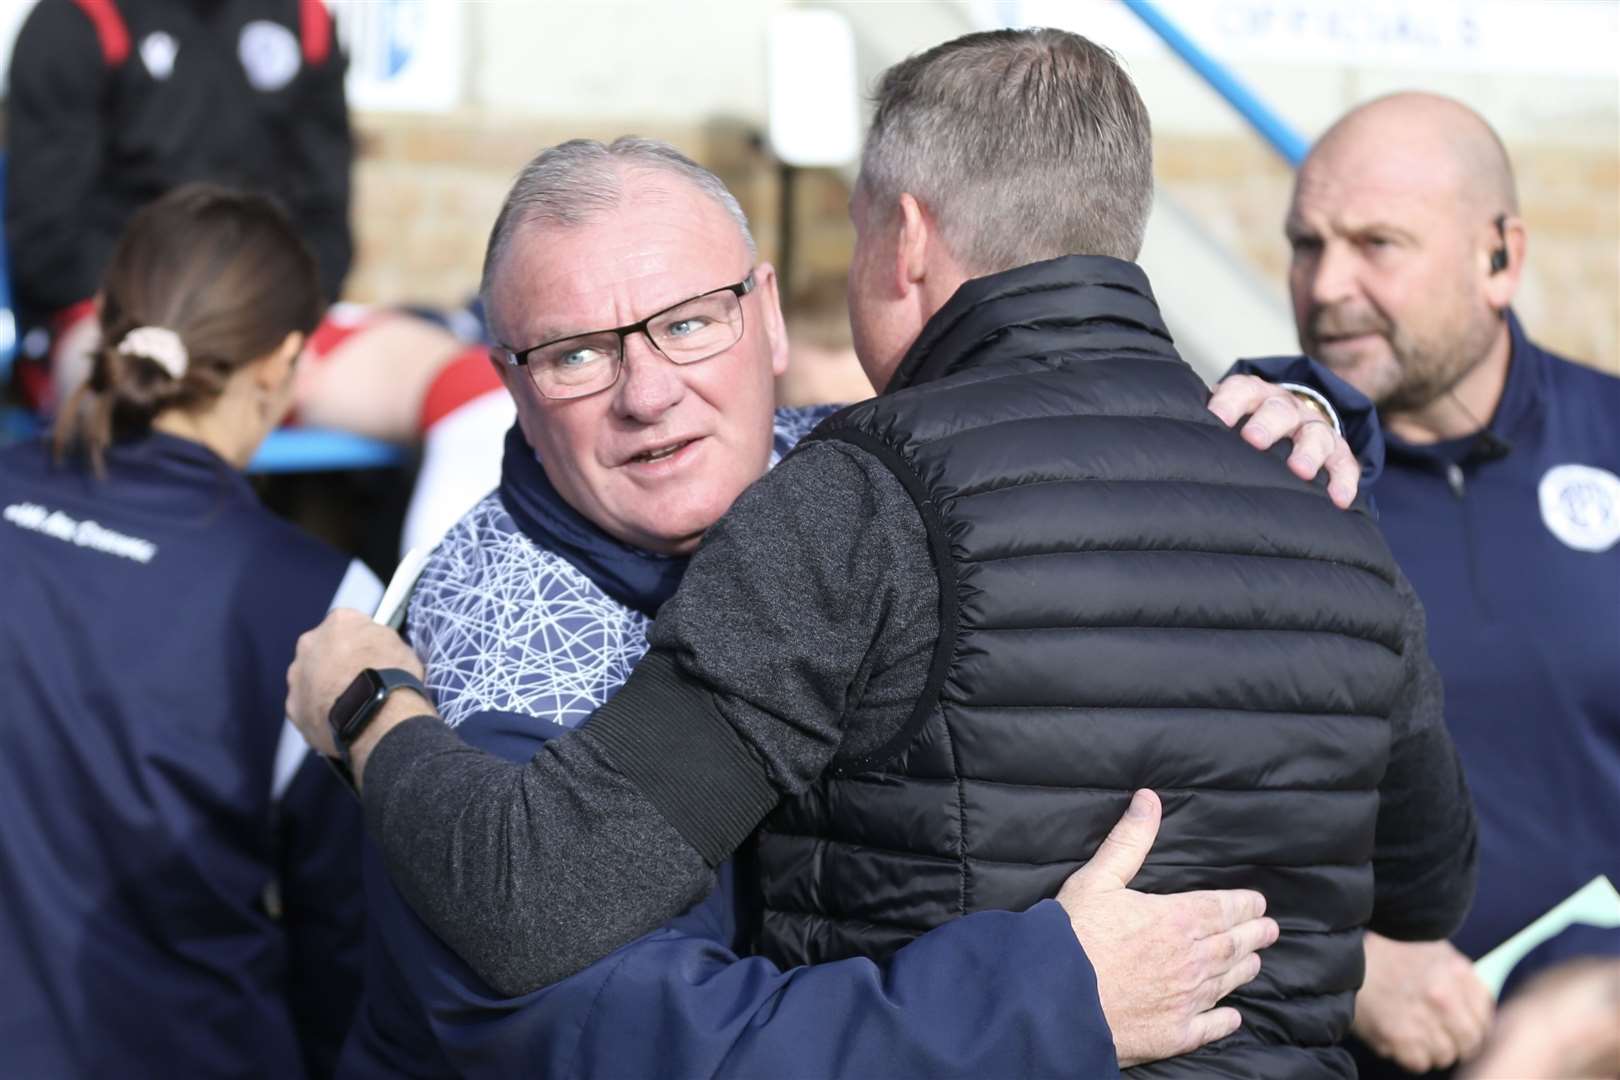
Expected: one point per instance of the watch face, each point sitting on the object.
(350, 708)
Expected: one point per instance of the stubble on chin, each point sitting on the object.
(1373, 369)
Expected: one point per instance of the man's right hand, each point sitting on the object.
(327, 660)
(1421, 1004)
(1162, 962)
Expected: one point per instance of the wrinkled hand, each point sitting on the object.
(1565, 1023)
(1421, 1004)
(326, 662)
(1275, 413)
(1162, 962)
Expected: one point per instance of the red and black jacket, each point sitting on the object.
(114, 102)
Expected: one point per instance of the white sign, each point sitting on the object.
(403, 54)
(1570, 38)
(814, 114)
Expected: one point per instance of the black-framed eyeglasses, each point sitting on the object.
(685, 333)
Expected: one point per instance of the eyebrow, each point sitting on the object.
(1293, 226)
(553, 333)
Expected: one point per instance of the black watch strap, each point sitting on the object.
(357, 706)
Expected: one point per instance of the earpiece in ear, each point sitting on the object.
(1499, 257)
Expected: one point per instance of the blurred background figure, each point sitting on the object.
(1565, 1024)
(179, 879)
(113, 102)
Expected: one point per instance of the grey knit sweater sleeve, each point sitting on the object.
(806, 622)
(812, 617)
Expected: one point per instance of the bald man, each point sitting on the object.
(1501, 502)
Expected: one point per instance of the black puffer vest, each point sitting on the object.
(1130, 596)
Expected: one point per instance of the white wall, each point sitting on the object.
(652, 60)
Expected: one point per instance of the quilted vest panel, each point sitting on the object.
(1131, 597)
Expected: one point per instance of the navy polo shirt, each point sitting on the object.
(1512, 540)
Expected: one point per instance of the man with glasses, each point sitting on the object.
(945, 641)
(1500, 497)
(632, 441)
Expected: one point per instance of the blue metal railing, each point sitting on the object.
(1271, 127)
(8, 319)
(322, 450)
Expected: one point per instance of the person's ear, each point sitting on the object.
(1505, 261)
(927, 268)
(767, 290)
(274, 371)
(916, 234)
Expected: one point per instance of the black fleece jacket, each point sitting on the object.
(247, 93)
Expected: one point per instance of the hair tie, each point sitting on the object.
(158, 344)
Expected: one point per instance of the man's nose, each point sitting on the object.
(1333, 275)
(650, 384)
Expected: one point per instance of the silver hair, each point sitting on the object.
(1023, 144)
(578, 181)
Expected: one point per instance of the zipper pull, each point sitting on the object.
(1454, 478)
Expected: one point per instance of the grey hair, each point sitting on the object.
(578, 181)
(1023, 144)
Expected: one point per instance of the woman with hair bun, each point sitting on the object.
(178, 877)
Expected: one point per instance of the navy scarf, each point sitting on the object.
(635, 578)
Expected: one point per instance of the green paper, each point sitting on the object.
(1595, 904)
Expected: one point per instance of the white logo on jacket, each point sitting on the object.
(269, 54)
(158, 51)
(1581, 506)
(70, 530)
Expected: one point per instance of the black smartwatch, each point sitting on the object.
(353, 710)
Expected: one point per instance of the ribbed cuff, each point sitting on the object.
(664, 734)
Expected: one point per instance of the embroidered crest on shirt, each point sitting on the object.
(269, 55)
(1580, 505)
(158, 51)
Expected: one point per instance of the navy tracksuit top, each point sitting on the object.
(1511, 542)
(179, 888)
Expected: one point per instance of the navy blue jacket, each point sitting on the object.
(1525, 629)
(992, 994)
(178, 889)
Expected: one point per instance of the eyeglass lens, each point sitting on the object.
(695, 330)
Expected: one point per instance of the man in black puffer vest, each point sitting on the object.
(967, 619)
(1127, 597)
